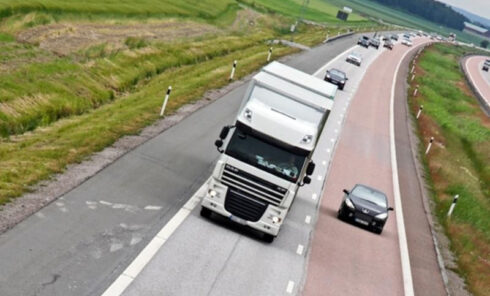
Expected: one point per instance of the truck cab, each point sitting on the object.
(266, 153)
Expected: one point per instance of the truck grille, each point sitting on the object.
(243, 206)
(252, 186)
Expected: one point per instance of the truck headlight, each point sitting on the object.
(307, 139)
(349, 203)
(382, 216)
(248, 114)
(276, 219)
(212, 193)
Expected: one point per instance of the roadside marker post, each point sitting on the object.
(415, 92)
(420, 111)
(413, 76)
(166, 100)
(430, 145)
(451, 209)
(233, 70)
(413, 68)
(269, 55)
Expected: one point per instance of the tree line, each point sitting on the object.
(431, 10)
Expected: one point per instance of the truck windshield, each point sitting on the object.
(266, 156)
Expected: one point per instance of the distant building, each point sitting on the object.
(475, 30)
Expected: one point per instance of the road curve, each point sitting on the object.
(346, 259)
(479, 79)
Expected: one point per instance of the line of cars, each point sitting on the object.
(363, 205)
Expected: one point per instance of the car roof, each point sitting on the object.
(337, 71)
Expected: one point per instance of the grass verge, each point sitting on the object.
(459, 161)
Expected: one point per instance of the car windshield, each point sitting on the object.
(337, 73)
(369, 194)
(355, 55)
(365, 37)
(266, 156)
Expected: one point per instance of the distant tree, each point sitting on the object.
(431, 10)
(484, 43)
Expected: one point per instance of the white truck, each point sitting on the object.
(266, 154)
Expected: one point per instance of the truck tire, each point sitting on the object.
(205, 212)
(268, 238)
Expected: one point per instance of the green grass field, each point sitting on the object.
(459, 162)
(378, 11)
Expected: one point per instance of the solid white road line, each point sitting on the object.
(400, 223)
(474, 84)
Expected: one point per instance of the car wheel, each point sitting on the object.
(341, 87)
(378, 230)
(341, 215)
(205, 212)
(268, 238)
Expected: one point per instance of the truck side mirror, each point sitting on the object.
(224, 132)
(310, 168)
(390, 209)
(218, 143)
(306, 180)
(346, 191)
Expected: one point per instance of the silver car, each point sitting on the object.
(354, 58)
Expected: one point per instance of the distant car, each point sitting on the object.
(354, 58)
(407, 36)
(407, 42)
(486, 65)
(389, 44)
(374, 42)
(337, 77)
(365, 205)
(363, 41)
(385, 37)
(394, 37)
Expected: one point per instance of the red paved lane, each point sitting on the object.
(479, 78)
(346, 259)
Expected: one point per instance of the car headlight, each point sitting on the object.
(349, 203)
(382, 216)
(342, 81)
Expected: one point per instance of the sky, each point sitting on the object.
(478, 7)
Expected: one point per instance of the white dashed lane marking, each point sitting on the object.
(290, 287)
(308, 219)
(300, 249)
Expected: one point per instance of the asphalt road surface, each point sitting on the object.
(479, 78)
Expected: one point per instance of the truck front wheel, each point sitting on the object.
(268, 238)
(205, 212)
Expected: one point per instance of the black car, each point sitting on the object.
(365, 205)
(337, 77)
(374, 42)
(363, 41)
(394, 37)
(388, 44)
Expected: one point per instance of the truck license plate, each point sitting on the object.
(238, 220)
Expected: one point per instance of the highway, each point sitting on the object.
(83, 243)
(479, 78)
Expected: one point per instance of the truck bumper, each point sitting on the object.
(217, 205)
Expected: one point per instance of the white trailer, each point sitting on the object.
(266, 153)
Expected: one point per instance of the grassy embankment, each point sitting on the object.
(56, 110)
(378, 11)
(459, 162)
